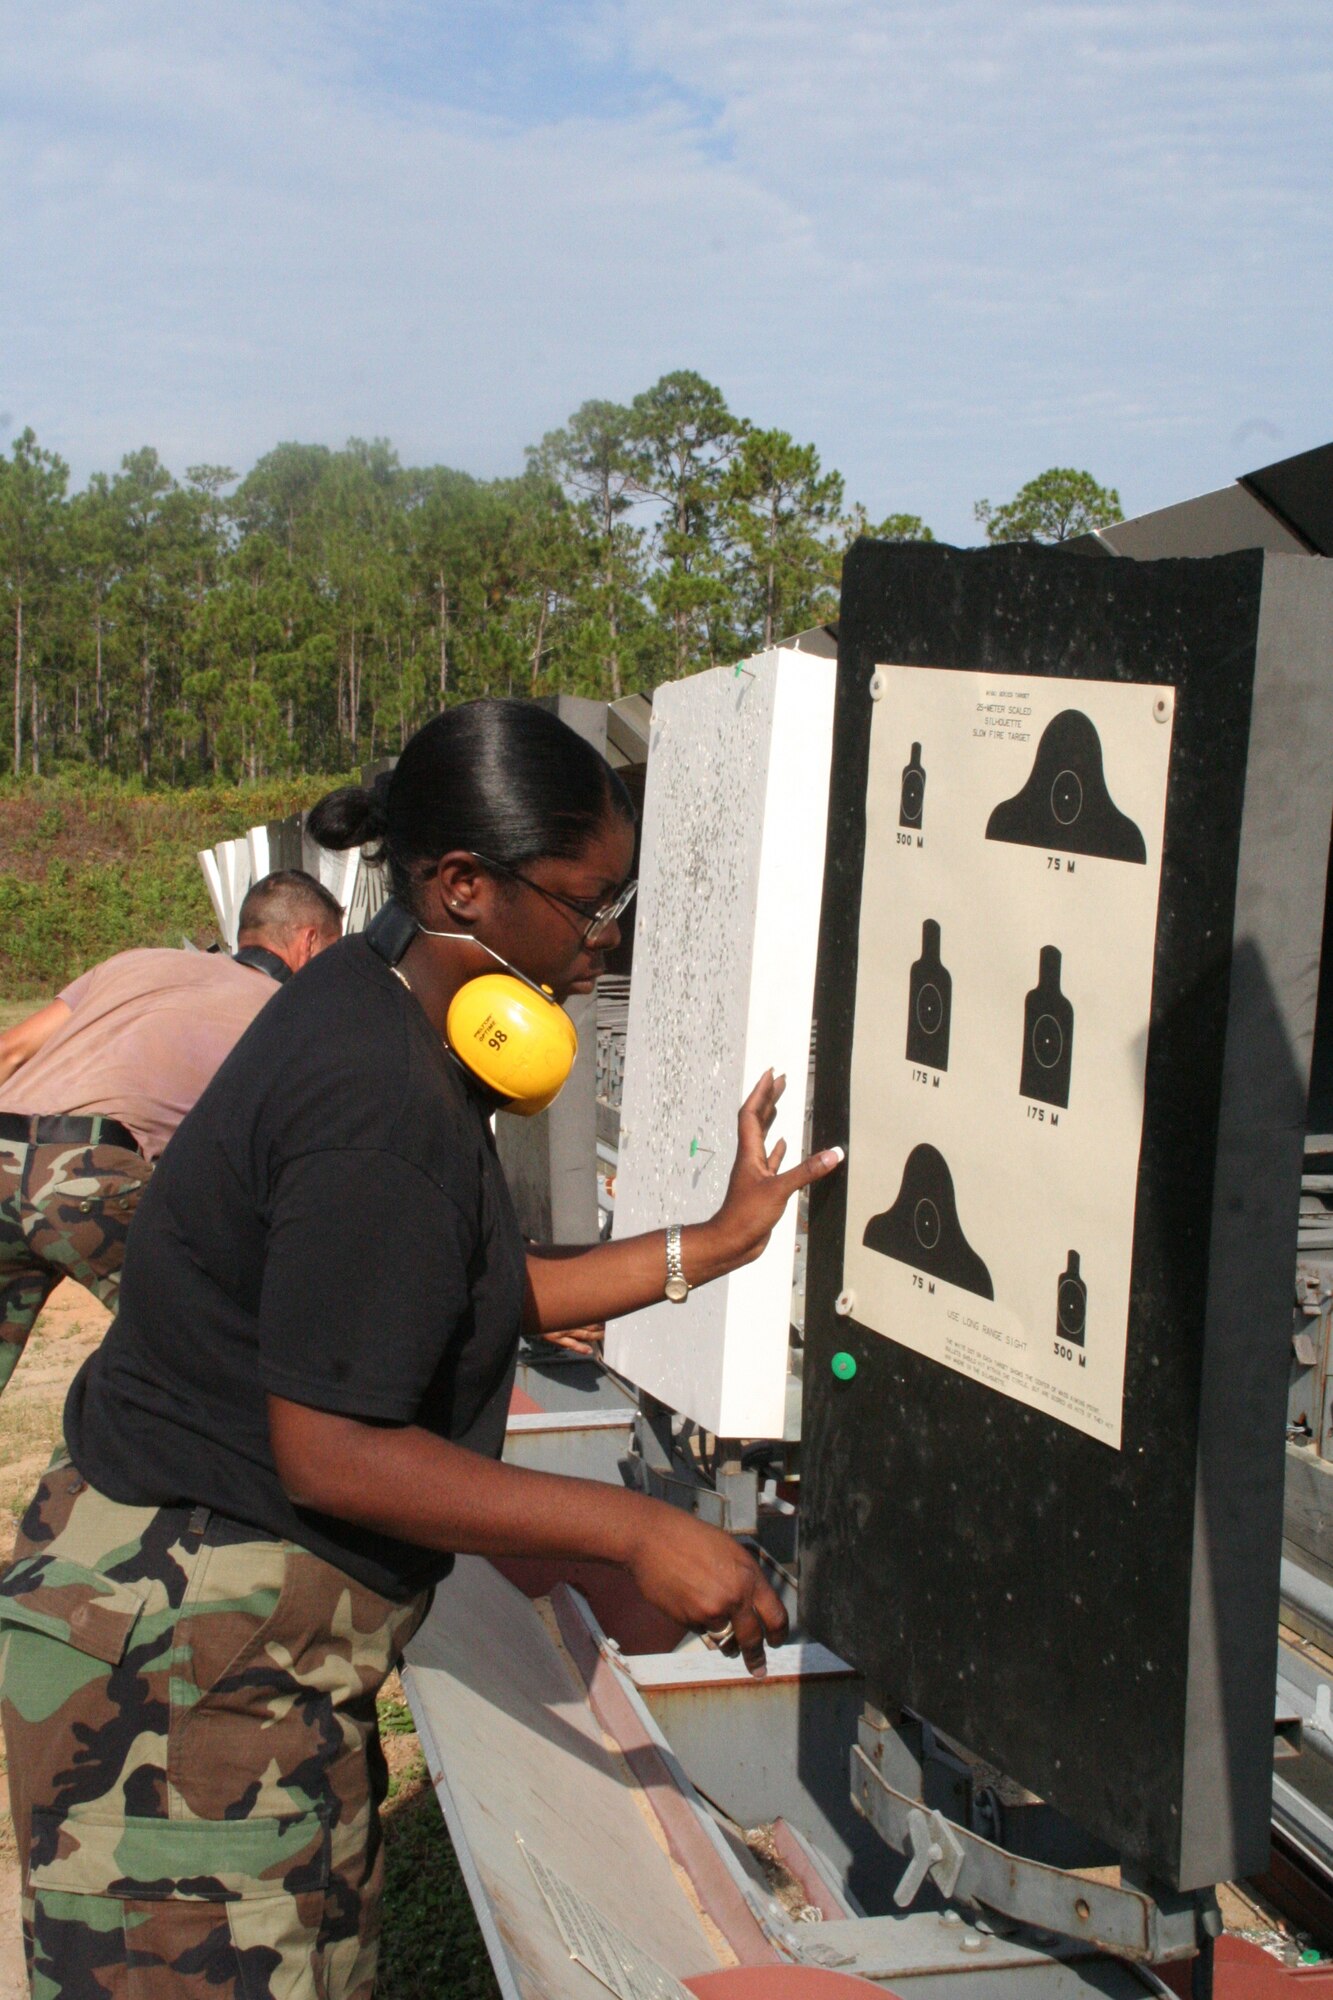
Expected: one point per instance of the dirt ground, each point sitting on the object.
(30, 1411)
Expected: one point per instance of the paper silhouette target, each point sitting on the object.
(1048, 1036)
(1071, 1302)
(912, 797)
(1003, 996)
(922, 1227)
(929, 1003)
(1065, 803)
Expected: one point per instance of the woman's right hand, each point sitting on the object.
(702, 1578)
(405, 1481)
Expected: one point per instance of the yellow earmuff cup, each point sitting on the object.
(520, 1044)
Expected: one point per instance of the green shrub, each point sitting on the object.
(89, 867)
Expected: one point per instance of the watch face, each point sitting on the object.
(677, 1291)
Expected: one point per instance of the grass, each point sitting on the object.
(88, 868)
(432, 1948)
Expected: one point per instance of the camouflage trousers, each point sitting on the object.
(65, 1212)
(195, 1773)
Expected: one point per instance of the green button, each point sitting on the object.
(844, 1366)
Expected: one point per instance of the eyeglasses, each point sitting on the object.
(597, 917)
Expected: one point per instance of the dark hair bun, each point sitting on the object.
(350, 817)
(506, 779)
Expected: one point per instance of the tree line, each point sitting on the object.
(310, 615)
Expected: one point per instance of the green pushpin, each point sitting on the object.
(696, 1149)
(844, 1366)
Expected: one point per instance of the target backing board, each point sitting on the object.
(724, 966)
(1069, 955)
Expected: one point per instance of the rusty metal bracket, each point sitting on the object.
(659, 1467)
(935, 1851)
(1129, 1922)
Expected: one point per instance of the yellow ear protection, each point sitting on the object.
(512, 1034)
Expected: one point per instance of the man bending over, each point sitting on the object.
(93, 1086)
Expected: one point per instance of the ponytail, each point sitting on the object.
(506, 779)
(353, 816)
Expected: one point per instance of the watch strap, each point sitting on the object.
(677, 1284)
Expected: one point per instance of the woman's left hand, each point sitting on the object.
(758, 1190)
(571, 1288)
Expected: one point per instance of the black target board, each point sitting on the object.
(1066, 1000)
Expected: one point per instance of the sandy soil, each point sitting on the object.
(30, 1411)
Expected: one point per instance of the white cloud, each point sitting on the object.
(951, 242)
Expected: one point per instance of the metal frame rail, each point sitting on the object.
(1300, 1880)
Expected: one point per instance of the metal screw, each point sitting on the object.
(1161, 708)
(845, 1304)
(877, 685)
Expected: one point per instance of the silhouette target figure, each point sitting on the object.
(1065, 803)
(1048, 1035)
(922, 1227)
(929, 1003)
(1071, 1303)
(912, 798)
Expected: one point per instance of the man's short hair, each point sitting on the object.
(287, 900)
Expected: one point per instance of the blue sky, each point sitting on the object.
(950, 242)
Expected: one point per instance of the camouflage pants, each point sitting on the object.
(189, 1713)
(65, 1212)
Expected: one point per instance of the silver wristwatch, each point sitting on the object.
(677, 1284)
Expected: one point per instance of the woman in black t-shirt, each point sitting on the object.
(296, 1420)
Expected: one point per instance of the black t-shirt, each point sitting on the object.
(330, 1223)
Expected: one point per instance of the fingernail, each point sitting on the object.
(834, 1157)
